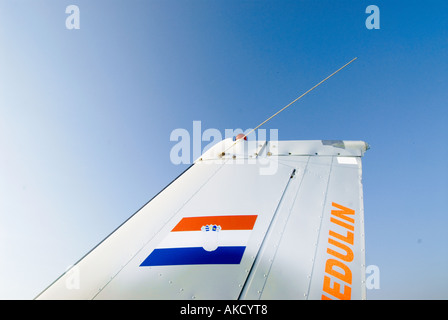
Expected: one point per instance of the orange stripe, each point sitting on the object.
(245, 222)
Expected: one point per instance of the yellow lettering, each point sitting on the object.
(342, 224)
(337, 266)
(349, 238)
(348, 256)
(341, 213)
(335, 291)
(329, 268)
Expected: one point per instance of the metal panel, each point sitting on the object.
(347, 272)
(100, 265)
(319, 148)
(292, 262)
(253, 194)
(289, 259)
(307, 241)
(113, 269)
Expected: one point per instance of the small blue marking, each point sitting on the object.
(193, 255)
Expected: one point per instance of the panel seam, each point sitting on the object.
(320, 227)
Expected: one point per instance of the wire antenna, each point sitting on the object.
(298, 98)
(289, 104)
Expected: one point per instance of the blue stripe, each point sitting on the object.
(184, 256)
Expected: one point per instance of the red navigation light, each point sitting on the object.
(240, 136)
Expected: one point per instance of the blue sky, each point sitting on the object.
(86, 117)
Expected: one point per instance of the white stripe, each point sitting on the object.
(181, 239)
(347, 160)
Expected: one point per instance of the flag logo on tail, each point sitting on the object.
(204, 240)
